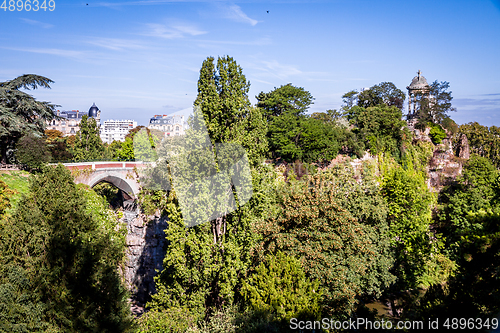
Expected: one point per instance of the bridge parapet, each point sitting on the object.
(106, 165)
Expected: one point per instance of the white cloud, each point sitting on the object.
(234, 12)
(281, 71)
(172, 31)
(257, 42)
(37, 23)
(57, 52)
(116, 44)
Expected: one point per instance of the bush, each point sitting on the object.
(32, 152)
(172, 320)
(279, 286)
(437, 133)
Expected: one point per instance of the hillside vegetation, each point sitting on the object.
(348, 208)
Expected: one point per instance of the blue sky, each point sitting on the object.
(135, 59)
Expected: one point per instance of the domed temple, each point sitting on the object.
(419, 88)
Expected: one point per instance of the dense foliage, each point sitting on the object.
(337, 228)
(32, 151)
(20, 113)
(343, 214)
(59, 253)
(88, 144)
(279, 286)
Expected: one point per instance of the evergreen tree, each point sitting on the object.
(279, 286)
(59, 260)
(20, 113)
(88, 144)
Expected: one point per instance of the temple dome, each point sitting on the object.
(93, 111)
(418, 82)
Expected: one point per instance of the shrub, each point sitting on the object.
(437, 133)
(279, 286)
(32, 151)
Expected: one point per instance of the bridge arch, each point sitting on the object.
(115, 178)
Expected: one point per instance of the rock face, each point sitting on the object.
(145, 253)
(463, 149)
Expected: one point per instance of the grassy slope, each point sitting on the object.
(17, 181)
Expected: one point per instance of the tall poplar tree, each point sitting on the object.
(205, 263)
(227, 111)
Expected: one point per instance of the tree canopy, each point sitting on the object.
(88, 144)
(286, 98)
(435, 105)
(20, 113)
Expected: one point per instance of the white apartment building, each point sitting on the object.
(116, 130)
(169, 125)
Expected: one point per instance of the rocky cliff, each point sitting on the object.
(145, 253)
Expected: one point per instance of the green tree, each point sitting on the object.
(223, 101)
(435, 104)
(383, 93)
(349, 99)
(337, 228)
(32, 151)
(20, 113)
(279, 286)
(205, 262)
(410, 206)
(483, 141)
(474, 290)
(60, 248)
(437, 133)
(60, 151)
(285, 99)
(475, 190)
(126, 151)
(144, 146)
(380, 127)
(304, 138)
(88, 144)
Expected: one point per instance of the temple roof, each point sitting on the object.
(418, 82)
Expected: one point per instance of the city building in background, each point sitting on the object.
(113, 130)
(170, 125)
(71, 122)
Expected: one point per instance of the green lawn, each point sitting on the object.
(17, 181)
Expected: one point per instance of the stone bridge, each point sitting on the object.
(145, 234)
(123, 175)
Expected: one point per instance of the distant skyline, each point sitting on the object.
(135, 59)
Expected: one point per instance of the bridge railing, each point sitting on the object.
(105, 164)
